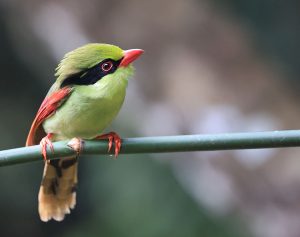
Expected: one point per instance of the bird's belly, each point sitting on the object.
(85, 121)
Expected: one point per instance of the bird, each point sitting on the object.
(88, 93)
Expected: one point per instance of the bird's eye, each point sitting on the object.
(106, 66)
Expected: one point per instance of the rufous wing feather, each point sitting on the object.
(50, 104)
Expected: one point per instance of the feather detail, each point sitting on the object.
(57, 195)
(86, 57)
(91, 108)
(57, 192)
(47, 108)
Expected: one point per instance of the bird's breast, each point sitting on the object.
(86, 113)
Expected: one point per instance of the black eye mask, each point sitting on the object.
(92, 75)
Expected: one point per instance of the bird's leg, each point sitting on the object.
(44, 143)
(112, 137)
(76, 144)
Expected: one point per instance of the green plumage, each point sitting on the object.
(86, 57)
(87, 95)
(89, 109)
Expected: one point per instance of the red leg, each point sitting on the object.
(112, 137)
(46, 141)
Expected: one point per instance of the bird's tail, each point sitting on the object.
(57, 193)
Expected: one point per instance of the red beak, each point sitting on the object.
(129, 56)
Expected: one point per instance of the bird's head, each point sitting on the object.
(92, 62)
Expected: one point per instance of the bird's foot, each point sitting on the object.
(112, 138)
(76, 144)
(44, 143)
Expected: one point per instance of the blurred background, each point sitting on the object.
(210, 67)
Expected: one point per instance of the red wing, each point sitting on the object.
(47, 108)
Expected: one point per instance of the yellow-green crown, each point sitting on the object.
(86, 57)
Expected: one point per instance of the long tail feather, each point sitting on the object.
(57, 193)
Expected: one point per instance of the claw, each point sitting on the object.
(76, 144)
(44, 143)
(112, 138)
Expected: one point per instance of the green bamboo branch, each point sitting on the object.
(185, 143)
